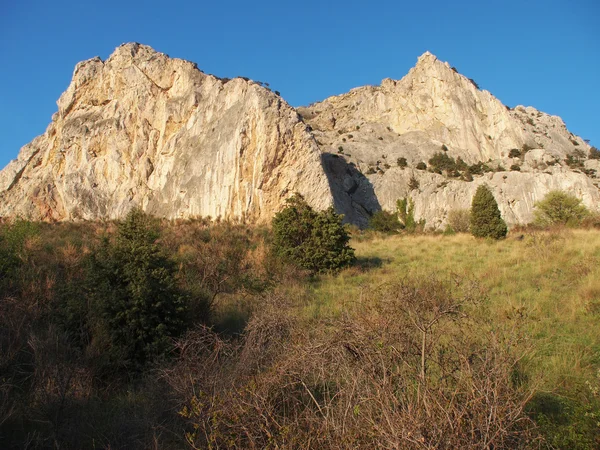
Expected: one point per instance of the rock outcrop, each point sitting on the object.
(434, 110)
(143, 129)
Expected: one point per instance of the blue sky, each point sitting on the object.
(540, 53)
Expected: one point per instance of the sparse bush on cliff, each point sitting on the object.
(559, 208)
(316, 241)
(486, 220)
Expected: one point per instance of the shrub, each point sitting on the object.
(413, 183)
(514, 153)
(459, 220)
(515, 167)
(406, 213)
(422, 166)
(385, 221)
(558, 207)
(402, 162)
(316, 241)
(594, 153)
(486, 220)
(441, 161)
(134, 289)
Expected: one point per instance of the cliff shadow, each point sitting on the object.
(353, 193)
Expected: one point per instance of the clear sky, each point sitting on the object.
(540, 53)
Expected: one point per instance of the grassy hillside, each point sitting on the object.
(428, 341)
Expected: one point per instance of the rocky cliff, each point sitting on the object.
(386, 131)
(144, 129)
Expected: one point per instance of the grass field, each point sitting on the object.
(546, 283)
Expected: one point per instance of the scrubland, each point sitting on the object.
(427, 341)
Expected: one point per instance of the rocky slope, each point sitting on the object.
(435, 110)
(144, 129)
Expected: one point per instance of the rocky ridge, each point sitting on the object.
(520, 153)
(144, 129)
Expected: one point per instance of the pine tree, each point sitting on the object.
(486, 220)
(135, 291)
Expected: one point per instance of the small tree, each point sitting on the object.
(486, 220)
(135, 292)
(317, 241)
(558, 207)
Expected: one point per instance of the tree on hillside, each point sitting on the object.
(135, 292)
(558, 207)
(486, 220)
(317, 241)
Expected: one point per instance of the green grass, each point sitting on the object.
(546, 285)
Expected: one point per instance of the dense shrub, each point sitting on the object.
(486, 220)
(514, 153)
(558, 207)
(441, 161)
(594, 153)
(385, 221)
(402, 163)
(317, 241)
(421, 166)
(135, 291)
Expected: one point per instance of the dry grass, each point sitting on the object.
(546, 283)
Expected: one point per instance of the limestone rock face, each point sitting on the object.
(143, 129)
(434, 109)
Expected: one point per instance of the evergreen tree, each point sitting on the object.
(135, 291)
(486, 220)
(317, 241)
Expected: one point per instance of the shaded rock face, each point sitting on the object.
(434, 109)
(143, 129)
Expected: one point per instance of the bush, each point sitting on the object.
(459, 220)
(441, 161)
(406, 213)
(402, 162)
(559, 208)
(385, 222)
(514, 153)
(486, 220)
(422, 166)
(316, 241)
(515, 167)
(413, 183)
(594, 153)
(135, 293)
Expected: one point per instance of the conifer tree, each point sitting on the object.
(486, 220)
